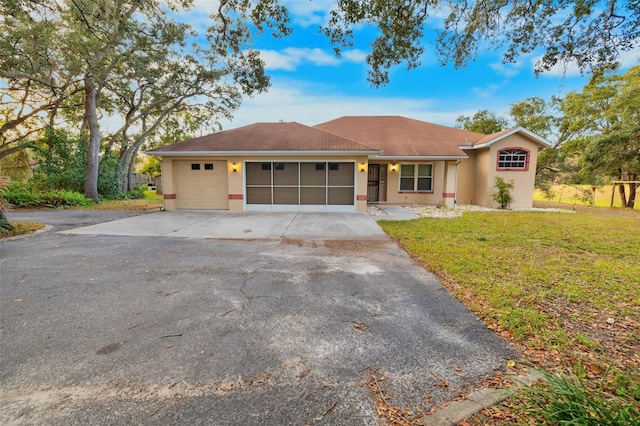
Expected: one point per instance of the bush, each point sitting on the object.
(62, 161)
(138, 192)
(503, 195)
(23, 196)
(566, 400)
(108, 180)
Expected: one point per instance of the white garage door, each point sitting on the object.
(304, 186)
(202, 185)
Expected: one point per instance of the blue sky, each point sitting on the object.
(311, 85)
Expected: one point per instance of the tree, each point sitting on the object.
(161, 87)
(483, 121)
(151, 166)
(126, 57)
(545, 119)
(605, 116)
(4, 222)
(35, 85)
(533, 114)
(590, 33)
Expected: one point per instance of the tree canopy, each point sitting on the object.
(606, 116)
(75, 63)
(483, 121)
(590, 34)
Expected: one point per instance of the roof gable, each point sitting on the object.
(488, 140)
(265, 137)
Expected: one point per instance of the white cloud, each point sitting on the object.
(627, 59)
(206, 6)
(485, 92)
(308, 104)
(290, 58)
(505, 70)
(309, 13)
(354, 55)
(630, 58)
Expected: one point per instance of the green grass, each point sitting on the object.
(150, 201)
(561, 399)
(548, 281)
(573, 194)
(20, 228)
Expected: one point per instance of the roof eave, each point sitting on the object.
(258, 153)
(421, 157)
(536, 138)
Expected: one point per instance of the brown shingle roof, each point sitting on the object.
(401, 136)
(487, 138)
(266, 137)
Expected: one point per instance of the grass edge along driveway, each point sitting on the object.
(562, 288)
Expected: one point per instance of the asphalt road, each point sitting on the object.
(99, 329)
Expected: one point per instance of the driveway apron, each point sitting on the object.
(286, 327)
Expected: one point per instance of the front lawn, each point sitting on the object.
(150, 201)
(564, 288)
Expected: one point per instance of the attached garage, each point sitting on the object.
(268, 167)
(201, 184)
(300, 185)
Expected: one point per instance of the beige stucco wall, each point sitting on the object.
(466, 180)
(481, 176)
(235, 179)
(168, 184)
(523, 180)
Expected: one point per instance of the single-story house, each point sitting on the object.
(343, 164)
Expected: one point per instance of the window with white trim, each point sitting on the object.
(416, 177)
(513, 159)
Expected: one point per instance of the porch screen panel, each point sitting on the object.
(258, 177)
(313, 196)
(313, 174)
(340, 196)
(258, 195)
(285, 174)
(258, 173)
(341, 174)
(285, 195)
(313, 182)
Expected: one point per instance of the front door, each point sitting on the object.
(373, 186)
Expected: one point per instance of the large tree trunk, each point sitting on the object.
(132, 167)
(91, 119)
(623, 195)
(633, 187)
(123, 170)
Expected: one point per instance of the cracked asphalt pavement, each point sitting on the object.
(98, 329)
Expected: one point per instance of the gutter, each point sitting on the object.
(421, 157)
(258, 153)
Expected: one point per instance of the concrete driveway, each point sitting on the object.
(221, 224)
(121, 329)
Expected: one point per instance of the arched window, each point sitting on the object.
(513, 159)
